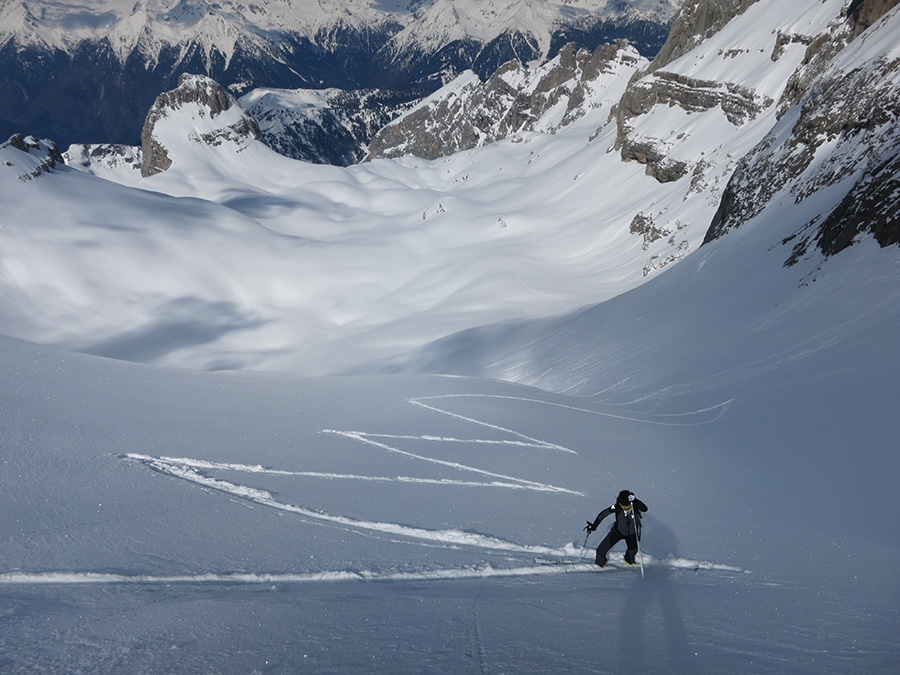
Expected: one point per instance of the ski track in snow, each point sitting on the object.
(189, 469)
(234, 578)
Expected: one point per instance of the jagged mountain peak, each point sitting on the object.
(441, 22)
(198, 111)
(152, 24)
(117, 54)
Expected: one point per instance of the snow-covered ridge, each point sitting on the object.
(387, 256)
(104, 64)
(325, 126)
(151, 25)
(214, 118)
(29, 157)
(468, 113)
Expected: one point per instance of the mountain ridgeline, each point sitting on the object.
(80, 77)
(810, 110)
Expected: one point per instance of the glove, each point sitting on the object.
(631, 498)
(589, 527)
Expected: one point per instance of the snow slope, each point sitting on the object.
(160, 520)
(310, 267)
(322, 269)
(181, 520)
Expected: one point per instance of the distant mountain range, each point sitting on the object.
(90, 76)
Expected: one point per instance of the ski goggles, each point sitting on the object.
(625, 506)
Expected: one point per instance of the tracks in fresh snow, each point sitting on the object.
(244, 578)
(450, 537)
(198, 472)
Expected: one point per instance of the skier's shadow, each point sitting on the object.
(650, 597)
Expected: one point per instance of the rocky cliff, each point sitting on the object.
(470, 112)
(838, 144)
(210, 101)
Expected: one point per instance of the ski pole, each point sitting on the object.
(581, 555)
(637, 536)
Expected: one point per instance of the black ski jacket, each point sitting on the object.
(626, 523)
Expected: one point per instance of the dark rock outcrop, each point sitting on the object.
(842, 135)
(212, 100)
(696, 21)
(512, 100)
(44, 156)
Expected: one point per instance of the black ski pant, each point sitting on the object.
(613, 538)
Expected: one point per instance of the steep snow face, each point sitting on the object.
(845, 147)
(690, 121)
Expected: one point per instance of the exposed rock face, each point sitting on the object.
(843, 136)
(329, 126)
(740, 105)
(469, 113)
(872, 205)
(696, 21)
(864, 13)
(85, 156)
(211, 100)
(859, 15)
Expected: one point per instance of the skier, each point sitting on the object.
(627, 526)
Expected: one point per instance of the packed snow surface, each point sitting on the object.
(158, 520)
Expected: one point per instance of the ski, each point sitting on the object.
(556, 561)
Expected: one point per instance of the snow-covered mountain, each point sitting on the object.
(104, 64)
(545, 222)
(820, 180)
(160, 517)
(468, 113)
